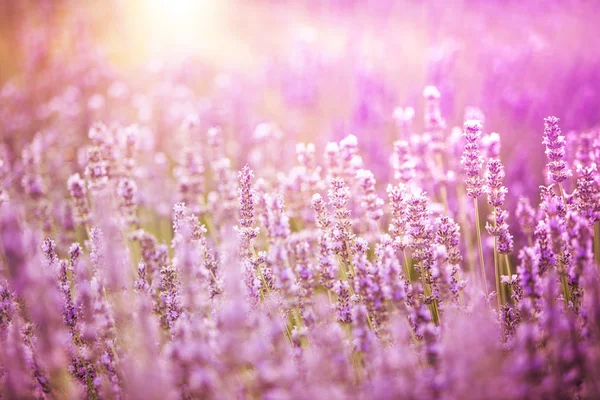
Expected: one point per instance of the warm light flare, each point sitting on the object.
(177, 10)
(180, 25)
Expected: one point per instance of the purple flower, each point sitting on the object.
(403, 162)
(555, 151)
(448, 235)
(472, 159)
(526, 216)
(246, 229)
(370, 202)
(343, 307)
(399, 215)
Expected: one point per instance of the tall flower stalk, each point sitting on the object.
(503, 241)
(472, 162)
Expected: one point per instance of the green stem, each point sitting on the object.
(433, 307)
(406, 266)
(508, 272)
(499, 292)
(565, 287)
(563, 281)
(597, 243)
(478, 230)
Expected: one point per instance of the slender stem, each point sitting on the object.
(508, 272)
(562, 193)
(508, 267)
(597, 243)
(478, 230)
(465, 226)
(565, 286)
(427, 291)
(406, 265)
(499, 292)
(563, 280)
(437, 316)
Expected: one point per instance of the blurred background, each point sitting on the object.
(320, 68)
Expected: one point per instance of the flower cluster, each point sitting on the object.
(555, 150)
(472, 159)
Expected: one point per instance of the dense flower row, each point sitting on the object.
(313, 280)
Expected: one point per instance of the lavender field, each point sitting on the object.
(308, 199)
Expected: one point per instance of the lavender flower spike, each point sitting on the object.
(558, 170)
(472, 159)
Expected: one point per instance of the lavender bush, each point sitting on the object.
(160, 239)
